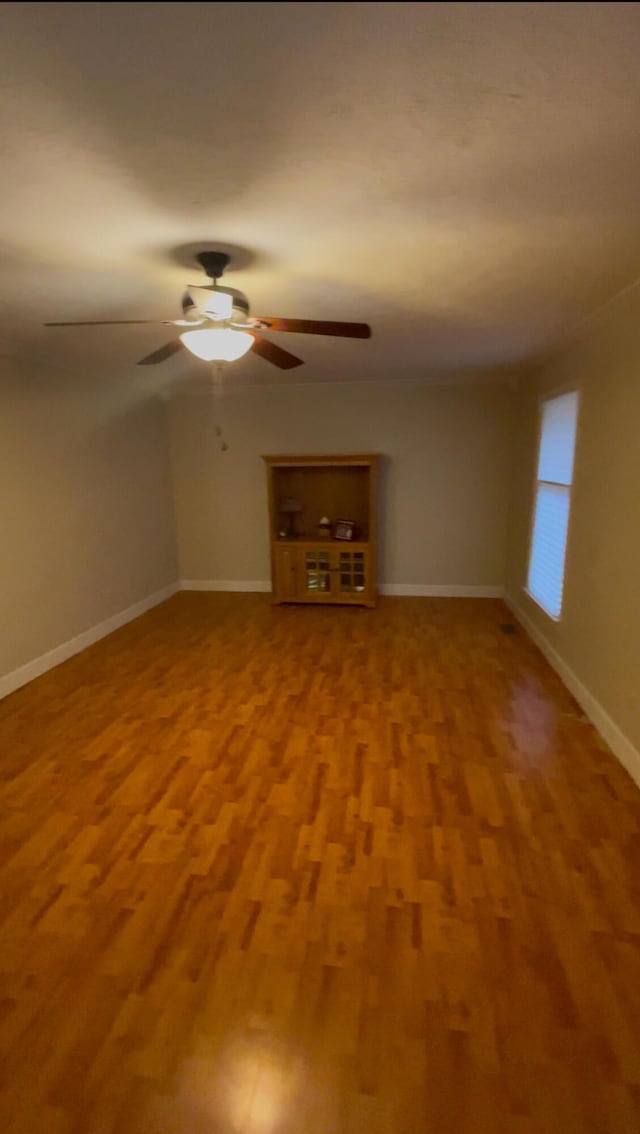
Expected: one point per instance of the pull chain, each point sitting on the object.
(218, 388)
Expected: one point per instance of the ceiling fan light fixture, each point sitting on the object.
(233, 334)
(217, 344)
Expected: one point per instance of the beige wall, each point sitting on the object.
(85, 507)
(444, 482)
(598, 636)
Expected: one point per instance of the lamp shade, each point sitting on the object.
(217, 344)
(290, 504)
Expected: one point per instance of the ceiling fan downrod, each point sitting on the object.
(213, 263)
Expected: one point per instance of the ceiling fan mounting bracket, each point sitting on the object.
(214, 263)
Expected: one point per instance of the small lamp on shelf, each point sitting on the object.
(289, 507)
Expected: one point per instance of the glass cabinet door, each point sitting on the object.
(352, 571)
(316, 575)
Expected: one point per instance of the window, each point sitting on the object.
(553, 501)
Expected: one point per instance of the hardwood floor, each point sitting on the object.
(315, 871)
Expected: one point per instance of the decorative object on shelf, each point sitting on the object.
(344, 529)
(289, 507)
(324, 528)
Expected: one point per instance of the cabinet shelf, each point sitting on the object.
(322, 541)
(311, 568)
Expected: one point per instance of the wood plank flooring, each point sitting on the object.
(315, 871)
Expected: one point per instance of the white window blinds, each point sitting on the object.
(552, 503)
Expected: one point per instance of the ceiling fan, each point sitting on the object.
(226, 329)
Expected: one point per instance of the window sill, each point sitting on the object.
(542, 607)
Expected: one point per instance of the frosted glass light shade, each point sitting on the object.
(217, 344)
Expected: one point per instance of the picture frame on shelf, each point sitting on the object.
(344, 529)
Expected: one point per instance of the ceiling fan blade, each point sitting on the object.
(315, 327)
(275, 354)
(161, 354)
(111, 323)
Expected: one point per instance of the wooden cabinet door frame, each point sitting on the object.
(285, 560)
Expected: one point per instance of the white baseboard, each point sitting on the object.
(618, 742)
(417, 590)
(444, 590)
(12, 681)
(249, 585)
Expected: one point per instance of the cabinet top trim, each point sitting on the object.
(324, 459)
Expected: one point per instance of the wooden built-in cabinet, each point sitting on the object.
(304, 567)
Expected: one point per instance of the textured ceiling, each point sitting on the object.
(463, 176)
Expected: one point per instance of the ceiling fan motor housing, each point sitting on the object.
(195, 299)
